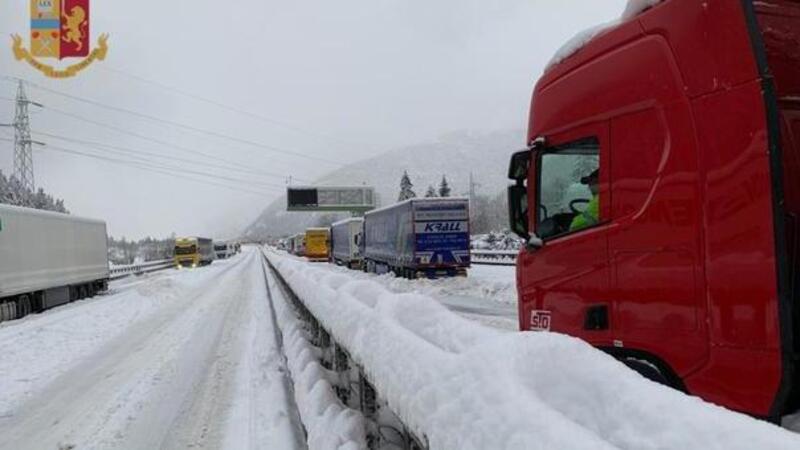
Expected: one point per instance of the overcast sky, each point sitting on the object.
(337, 81)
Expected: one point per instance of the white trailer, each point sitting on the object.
(224, 250)
(48, 259)
(221, 249)
(344, 242)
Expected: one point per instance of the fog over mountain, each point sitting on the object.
(455, 155)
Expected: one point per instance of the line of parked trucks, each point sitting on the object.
(193, 252)
(413, 239)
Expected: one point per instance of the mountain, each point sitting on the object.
(455, 155)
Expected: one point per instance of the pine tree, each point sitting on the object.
(406, 188)
(5, 189)
(12, 193)
(444, 188)
(431, 193)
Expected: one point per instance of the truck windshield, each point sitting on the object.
(186, 250)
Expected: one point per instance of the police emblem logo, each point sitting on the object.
(60, 30)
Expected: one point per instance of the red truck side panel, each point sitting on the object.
(740, 250)
(708, 38)
(656, 243)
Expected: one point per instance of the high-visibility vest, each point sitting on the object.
(589, 217)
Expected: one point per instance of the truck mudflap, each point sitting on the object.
(774, 29)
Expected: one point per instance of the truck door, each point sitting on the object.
(567, 279)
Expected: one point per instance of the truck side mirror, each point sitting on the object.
(520, 163)
(518, 210)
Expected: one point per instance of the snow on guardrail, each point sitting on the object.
(117, 272)
(329, 424)
(494, 257)
(465, 386)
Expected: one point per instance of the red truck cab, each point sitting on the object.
(681, 126)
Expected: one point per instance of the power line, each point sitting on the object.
(193, 152)
(171, 174)
(163, 121)
(181, 170)
(134, 152)
(221, 105)
(146, 167)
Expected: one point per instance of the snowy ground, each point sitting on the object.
(214, 358)
(171, 360)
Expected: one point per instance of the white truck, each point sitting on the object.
(48, 259)
(224, 250)
(345, 236)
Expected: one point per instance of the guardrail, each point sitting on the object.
(494, 257)
(352, 384)
(118, 272)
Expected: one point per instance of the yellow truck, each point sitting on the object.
(317, 244)
(193, 252)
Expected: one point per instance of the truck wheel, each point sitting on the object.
(647, 370)
(82, 293)
(24, 307)
(90, 290)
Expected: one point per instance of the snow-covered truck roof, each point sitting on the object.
(579, 41)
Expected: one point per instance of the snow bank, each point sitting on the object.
(495, 241)
(496, 284)
(465, 386)
(493, 283)
(572, 46)
(330, 425)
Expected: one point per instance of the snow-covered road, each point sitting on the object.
(215, 358)
(173, 360)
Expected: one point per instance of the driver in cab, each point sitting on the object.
(591, 215)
